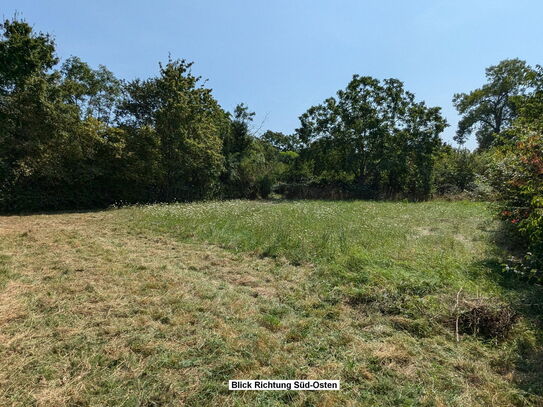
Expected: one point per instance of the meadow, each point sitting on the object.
(163, 304)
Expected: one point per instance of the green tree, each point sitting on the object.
(375, 133)
(34, 122)
(239, 138)
(250, 163)
(23, 54)
(281, 141)
(49, 157)
(95, 92)
(489, 110)
(187, 123)
(455, 170)
(530, 105)
(515, 170)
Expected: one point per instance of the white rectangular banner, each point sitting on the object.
(283, 385)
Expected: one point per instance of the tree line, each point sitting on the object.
(73, 136)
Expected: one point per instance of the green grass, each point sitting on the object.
(161, 305)
(422, 248)
(400, 265)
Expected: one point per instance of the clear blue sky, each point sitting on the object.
(282, 56)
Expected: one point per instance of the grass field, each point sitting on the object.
(162, 305)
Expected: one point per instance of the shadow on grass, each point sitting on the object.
(54, 212)
(526, 298)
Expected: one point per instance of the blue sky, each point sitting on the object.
(282, 56)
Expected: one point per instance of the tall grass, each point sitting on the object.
(433, 244)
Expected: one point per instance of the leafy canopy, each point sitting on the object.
(377, 133)
(489, 110)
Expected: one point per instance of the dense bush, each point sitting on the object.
(516, 172)
(455, 171)
(322, 189)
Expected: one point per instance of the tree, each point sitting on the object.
(239, 138)
(515, 170)
(23, 54)
(489, 110)
(49, 157)
(95, 92)
(33, 120)
(530, 106)
(187, 123)
(250, 163)
(375, 133)
(455, 170)
(283, 142)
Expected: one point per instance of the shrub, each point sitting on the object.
(516, 172)
(454, 171)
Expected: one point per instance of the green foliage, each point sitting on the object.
(455, 170)
(252, 165)
(283, 142)
(187, 123)
(34, 135)
(31, 118)
(51, 158)
(74, 137)
(23, 54)
(376, 133)
(489, 110)
(78, 137)
(95, 92)
(517, 174)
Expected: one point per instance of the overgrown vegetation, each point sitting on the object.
(510, 154)
(376, 135)
(517, 172)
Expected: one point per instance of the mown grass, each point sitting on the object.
(162, 305)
